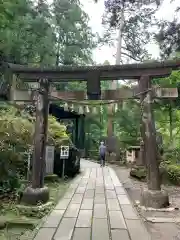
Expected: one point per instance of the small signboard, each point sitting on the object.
(64, 154)
(49, 159)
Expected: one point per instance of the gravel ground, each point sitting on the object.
(158, 231)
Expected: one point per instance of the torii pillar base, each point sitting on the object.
(34, 196)
(154, 199)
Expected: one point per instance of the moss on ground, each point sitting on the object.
(15, 223)
(138, 172)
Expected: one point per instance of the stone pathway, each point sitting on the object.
(95, 207)
(162, 228)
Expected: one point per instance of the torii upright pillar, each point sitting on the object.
(37, 192)
(153, 196)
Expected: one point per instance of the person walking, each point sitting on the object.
(102, 153)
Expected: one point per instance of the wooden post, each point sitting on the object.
(149, 136)
(142, 89)
(41, 125)
(36, 192)
(93, 86)
(152, 197)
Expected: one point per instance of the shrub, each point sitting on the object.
(57, 133)
(172, 155)
(16, 138)
(173, 173)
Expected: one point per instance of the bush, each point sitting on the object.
(57, 133)
(172, 155)
(16, 138)
(173, 173)
(9, 184)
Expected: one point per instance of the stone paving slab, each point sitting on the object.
(87, 204)
(99, 189)
(65, 229)
(100, 210)
(82, 234)
(84, 219)
(117, 220)
(54, 219)
(118, 234)
(100, 229)
(120, 190)
(137, 230)
(123, 199)
(72, 210)
(99, 198)
(95, 206)
(129, 212)
(89, 193)
(81, 190)
(111, 194)
(77, 198)
(45, 233)
(63, 204)
(113, 205)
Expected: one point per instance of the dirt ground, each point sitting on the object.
(158, 231)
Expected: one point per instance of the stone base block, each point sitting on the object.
(37, 211)
(34, 196)
(154, 199)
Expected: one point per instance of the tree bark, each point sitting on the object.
(110, 125)
(41, 126)
(149, 136)
(170, 121)
(142, 88)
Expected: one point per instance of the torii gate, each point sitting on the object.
(143, 73)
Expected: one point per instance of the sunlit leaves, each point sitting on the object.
(35, 32)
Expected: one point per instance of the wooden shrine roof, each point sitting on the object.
(106, 72)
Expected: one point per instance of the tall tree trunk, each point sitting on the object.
(58, 52)
(170, 122)
(110, 125)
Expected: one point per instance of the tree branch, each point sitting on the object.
(130, 56)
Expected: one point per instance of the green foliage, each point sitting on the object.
(134, 19)
(74, 39)
(57, 133)
(43, 34)
(168, 37)
(173, 173)
(172, 155)
(16, 137)
(167, 112)
(127, 120)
